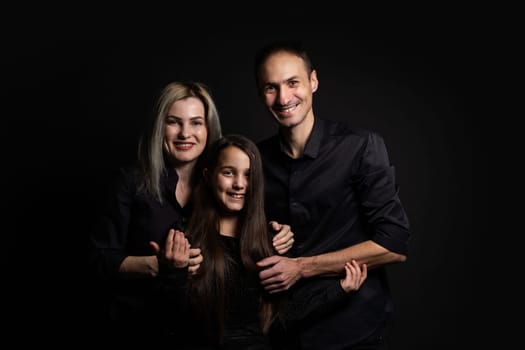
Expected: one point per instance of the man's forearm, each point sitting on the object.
(368, 252)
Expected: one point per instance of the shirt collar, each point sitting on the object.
(313, 144)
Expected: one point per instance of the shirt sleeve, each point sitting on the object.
(378, 191)
(109, 234)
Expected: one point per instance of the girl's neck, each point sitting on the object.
(228, 226)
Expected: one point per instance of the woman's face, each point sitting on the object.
(185, 131)
(230, 178)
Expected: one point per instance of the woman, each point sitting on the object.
(148, 201)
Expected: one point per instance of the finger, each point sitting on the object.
(275, 291)
(175, 243)
(155, 246)
(354, 267)
(271, 283)
(185, 248)
(352, 276)
(169, 240)
(275, 288)
(355, 264)
(364, 272)
(359, 271)
(195, 252)
(193, 269)
(179, 242)
(268, 276)
(271, 260)
(351, 280)
(195, 260)
(348, 272)
(284, 246)
(276, 279)
(282, 238)
(281, 250)
(283, 233)
(180, 238)
(274, 225)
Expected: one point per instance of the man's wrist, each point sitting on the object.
(303, 263)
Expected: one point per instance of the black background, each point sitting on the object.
(78, 100)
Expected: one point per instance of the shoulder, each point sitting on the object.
(120, 183)
(269, 144)
(129, 173)
(126, 177)
(343, 128)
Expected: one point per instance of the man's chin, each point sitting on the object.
(287, 121)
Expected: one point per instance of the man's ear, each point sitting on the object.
(314, 81)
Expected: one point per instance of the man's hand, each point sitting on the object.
(279, 273)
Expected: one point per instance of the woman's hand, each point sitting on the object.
(176, 253)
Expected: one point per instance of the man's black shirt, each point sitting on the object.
(341, 192)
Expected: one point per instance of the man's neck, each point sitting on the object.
(295, 137)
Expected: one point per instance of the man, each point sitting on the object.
(335, 187)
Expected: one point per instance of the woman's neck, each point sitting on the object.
(184, 185)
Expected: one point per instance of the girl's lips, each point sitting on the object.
(236, 195)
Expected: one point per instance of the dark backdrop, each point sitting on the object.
(77, 106)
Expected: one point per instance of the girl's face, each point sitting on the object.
(230, 178)
(185, 131)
